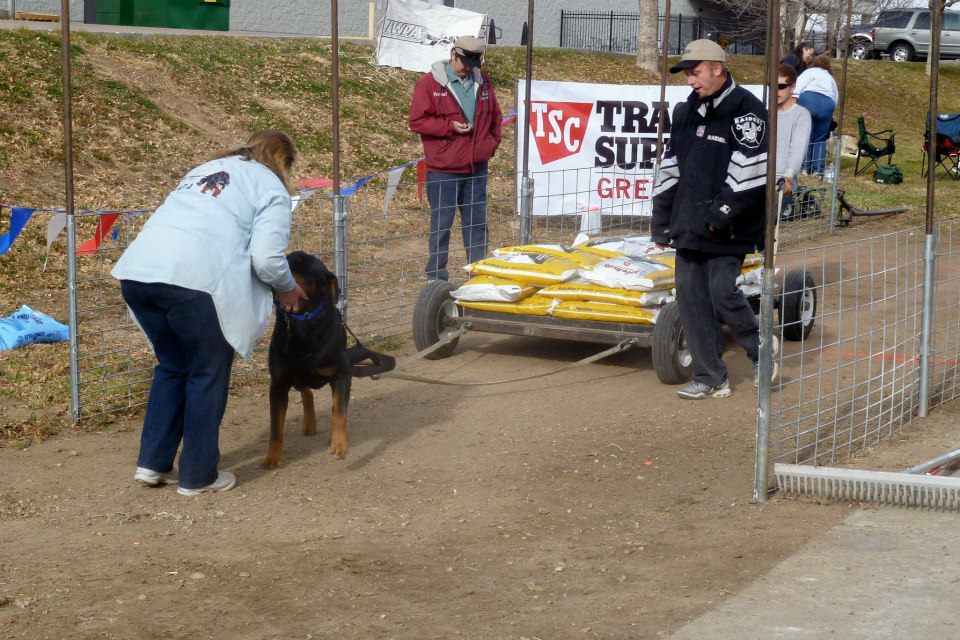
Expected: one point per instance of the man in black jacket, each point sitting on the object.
(708, 204)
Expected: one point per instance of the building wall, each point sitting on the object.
(300, 17)
(310, 17)
(47, 6)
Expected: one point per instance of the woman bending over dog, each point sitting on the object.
(198, 281)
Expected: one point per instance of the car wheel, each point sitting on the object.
(859, 51)
(901, 52)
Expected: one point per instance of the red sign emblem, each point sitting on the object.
(558, 128)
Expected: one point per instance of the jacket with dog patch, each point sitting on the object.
(433, 111)
(224, 230)
(711, 189)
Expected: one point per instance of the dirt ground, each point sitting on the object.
(591, 504)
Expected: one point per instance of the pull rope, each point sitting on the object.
(622, 346)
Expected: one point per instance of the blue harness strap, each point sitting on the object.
(305, 316)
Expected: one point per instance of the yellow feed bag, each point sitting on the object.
(536, 269)
(586, 291)
(603, 311)
(582, 258)
(611, 247)
(646, 274)
(753, 259)
(492, 289)
(532, 306)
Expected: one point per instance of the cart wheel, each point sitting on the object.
(798, 305)
(434, 306)
(671, 358)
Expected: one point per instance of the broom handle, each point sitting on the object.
(936, 462)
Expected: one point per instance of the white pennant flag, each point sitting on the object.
(58, 222)
(393, 180)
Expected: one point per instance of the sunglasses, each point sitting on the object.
(783, 85)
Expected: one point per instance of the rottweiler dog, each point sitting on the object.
(307, 351)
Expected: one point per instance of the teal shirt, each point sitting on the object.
(465, 91)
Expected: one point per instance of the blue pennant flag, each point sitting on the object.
(18, 219)
(352, 189)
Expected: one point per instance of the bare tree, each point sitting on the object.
(647, 29)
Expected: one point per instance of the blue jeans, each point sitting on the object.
(708, 297)
(188, 395)
(446, 192)
(821, 113)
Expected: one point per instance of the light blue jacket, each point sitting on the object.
(223, 230)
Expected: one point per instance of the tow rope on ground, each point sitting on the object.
(622, 346)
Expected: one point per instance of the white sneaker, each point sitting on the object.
(224, 482)
(152, 478)
(697, 390)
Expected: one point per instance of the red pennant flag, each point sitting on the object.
(315, 183)
(421, 178)
(104, 223)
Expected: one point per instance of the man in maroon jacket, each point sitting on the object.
(456, 113)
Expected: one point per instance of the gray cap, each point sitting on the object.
(703, 50)
(470, 49)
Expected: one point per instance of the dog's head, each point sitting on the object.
(314, 278)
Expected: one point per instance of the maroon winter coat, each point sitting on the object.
(433, 111)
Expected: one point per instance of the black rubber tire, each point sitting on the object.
(799, 291)
(670, 361)
(434, 304)
(902, 52)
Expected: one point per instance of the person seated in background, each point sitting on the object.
(793, 134)
(799, 57)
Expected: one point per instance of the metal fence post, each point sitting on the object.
(71, 213)
(772, 204)
(926, 326)
(563, 20)
(835, 184)
(610, 36)
(341, 209)
(526, 209)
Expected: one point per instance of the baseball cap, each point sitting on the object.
(703, 50)
(470, 50)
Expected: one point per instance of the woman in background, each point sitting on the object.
(198, 280)
(816, 91)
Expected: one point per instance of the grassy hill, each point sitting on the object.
(147, 109)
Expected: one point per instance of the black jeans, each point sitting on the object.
(708, 297)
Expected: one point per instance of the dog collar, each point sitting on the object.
(308, 315)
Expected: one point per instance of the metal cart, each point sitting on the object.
(437, 317)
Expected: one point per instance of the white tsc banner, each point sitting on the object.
(416, 34)
(593, 146)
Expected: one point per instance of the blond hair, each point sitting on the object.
(271, 148)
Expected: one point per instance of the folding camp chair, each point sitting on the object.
(873, 146)
(946, 146)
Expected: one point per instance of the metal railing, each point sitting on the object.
(616, 32)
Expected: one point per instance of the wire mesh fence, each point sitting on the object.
(385, 250)
(850, 319)
(945, 339)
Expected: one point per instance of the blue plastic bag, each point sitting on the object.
(27, 326)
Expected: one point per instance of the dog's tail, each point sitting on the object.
(379, 362)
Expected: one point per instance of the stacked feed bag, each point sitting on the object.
(614, 279)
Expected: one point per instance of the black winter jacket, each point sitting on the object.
(713, 173)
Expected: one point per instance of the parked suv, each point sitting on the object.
(904, 34)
